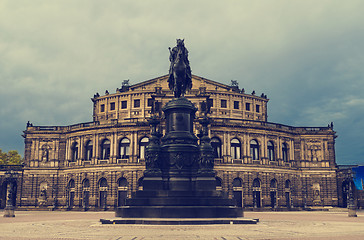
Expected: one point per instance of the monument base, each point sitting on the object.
(352, 213)
(179, 204)
(179, 221)
(9, 212)
(179, 181)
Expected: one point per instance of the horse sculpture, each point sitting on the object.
(179, 72)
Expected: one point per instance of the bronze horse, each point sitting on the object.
(180, 73)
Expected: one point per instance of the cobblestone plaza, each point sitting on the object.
(272, 225)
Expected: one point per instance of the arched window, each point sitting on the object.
(124, 147)
(85, 183)
(273, 184)
(143, 143)
(256, 193)
(74, 152)
(235, 148)
(71, 184)
(287, 193)
(287, 184)
(103, 183)
(285, 152)
(122, 191)
(103, 193)
(256, 183)
(123, 183)
(237, 183)
(216, 145)
(85, 193)
(271, 155)
(238, 191)
(88, 150)
(273, 193)
(254, 149)
(105, 149)
(71, 193)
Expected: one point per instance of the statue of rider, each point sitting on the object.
(172, 58)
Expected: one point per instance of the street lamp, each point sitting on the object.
(351, 206)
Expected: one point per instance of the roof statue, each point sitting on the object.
(180, 79)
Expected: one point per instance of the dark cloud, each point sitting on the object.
(306, 56)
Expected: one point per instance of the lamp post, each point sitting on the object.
(10, 179)
(351, 205)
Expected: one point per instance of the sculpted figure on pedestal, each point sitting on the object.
(180, 79)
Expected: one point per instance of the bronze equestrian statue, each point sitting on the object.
(180, 80)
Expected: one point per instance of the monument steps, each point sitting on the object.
(179, 221)
(176, 193)
(179, 212)
(184, 201)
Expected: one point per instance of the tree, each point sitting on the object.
(10, 158)
(3, 157)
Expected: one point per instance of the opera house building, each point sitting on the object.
(98, 164)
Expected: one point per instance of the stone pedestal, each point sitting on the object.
(9, 211)
(352, 212)
(179, 181)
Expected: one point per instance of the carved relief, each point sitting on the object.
(285, 139)
(104, 135)
(216, 133)
(181, 160)
(254, 135)
(272, 137)
(206, 160)
(234, 134)
(87, 138)
(152, 160)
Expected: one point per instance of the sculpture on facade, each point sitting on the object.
(180, 79)
(43, 197)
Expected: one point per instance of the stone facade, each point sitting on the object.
(96, 165)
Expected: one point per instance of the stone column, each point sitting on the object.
(115, 148)
(96, 149)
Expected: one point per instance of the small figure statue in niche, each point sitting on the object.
(45, 153)
(43, 197)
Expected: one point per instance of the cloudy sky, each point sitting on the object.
(307, 56)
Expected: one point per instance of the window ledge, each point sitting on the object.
(86, 163)
(124, 160)
(103, 161)
(237, 161)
